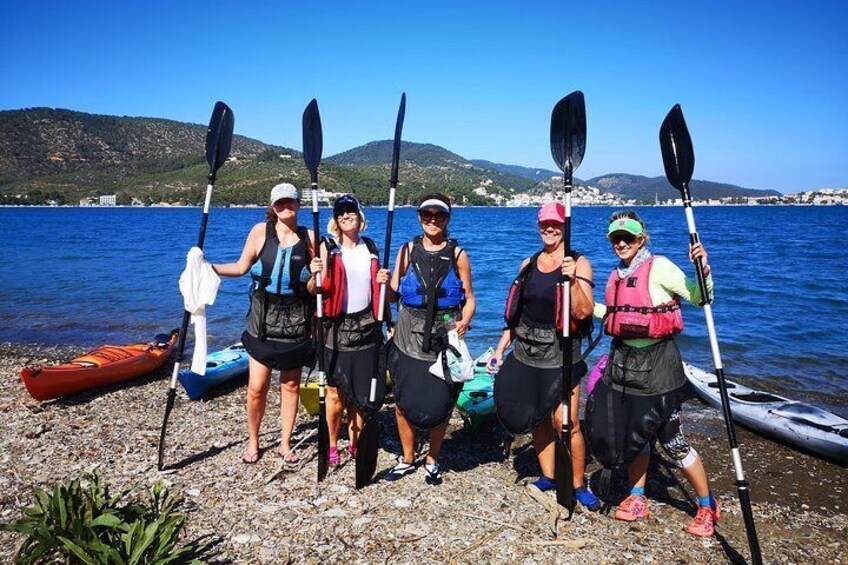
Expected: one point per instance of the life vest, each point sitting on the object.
(432, 275)
(334, 285)
(631, 313)
(280, 312)
(275, 263)
(515, 301)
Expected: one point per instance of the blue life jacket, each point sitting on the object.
(281, 271)
(432, 273)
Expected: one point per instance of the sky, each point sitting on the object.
(763, 84)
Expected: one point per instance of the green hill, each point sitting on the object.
(63, 155)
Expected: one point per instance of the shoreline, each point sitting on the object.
(290, 517)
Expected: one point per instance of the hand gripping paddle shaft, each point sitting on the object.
(219, 138)
(368, 443)
(679, 161)
(313, 142)
(568, 144)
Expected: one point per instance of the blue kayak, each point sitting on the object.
(221, 366)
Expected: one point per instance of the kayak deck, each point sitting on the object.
(794, 423)
(105, 365)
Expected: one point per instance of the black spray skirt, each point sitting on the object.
(352, 371)
(425, 400)
(525, 395)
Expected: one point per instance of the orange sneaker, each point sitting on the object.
(634, 507)
(705, 520)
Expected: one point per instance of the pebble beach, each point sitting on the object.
(482, 513)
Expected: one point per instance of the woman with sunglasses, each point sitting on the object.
(351, 289)
(279, 330)
(528, 388)
(639, 397)
(432, 283)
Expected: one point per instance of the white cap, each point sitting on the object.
(283, 190)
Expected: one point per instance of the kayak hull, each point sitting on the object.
(221, 366)
(104, 366)
(797, 424)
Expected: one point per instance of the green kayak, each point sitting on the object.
(476, 402)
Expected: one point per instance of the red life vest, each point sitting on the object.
(515, 301)
(631, 313)
(334, 285)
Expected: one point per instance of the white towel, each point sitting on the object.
(199, 285)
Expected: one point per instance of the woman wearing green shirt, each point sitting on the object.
(640, 395)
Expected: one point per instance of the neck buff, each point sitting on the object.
(625, 271)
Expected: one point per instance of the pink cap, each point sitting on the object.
(552, 212)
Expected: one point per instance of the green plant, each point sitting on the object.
(82, 523)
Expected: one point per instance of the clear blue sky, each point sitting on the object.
(763, 84)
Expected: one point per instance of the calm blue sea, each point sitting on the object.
(87, 276)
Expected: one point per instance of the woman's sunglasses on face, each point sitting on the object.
(550, 226)
(627, 238)
(432, 216)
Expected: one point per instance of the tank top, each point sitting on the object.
(540, 295)
(357, 264)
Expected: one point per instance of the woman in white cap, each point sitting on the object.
(279, 329)
(639, 397)
(528, 388)
(432, 283)
(351, 289)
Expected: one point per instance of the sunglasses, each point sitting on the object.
(432, 217)
(627, 238)
(348, 212)
(550, 226)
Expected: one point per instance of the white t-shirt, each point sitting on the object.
(357, 264)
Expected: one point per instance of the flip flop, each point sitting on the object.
(290, 458)
(250, 457)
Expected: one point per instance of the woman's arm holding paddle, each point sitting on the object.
(248, 255)
(400, 269)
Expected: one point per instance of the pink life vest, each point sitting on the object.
(334, 285)
(631, 314)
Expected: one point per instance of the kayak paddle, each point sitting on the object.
(219, 138)
(368, 442)
(313, 141)
(679, 161)
(568, 144)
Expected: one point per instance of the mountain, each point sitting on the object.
(380, 153)
(425, 161)
(535, 175)
(40, 142)
(63, 155)
(647, 189)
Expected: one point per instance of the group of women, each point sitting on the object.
(636, 402)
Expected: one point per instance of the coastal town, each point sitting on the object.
(581, 196)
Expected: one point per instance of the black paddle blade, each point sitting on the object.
(396, 149)
(169, 405)
(676, 146)
(219, 137)
(564, 477)
(313, 139)
(323, 442)
(568, 132)
(367, 448)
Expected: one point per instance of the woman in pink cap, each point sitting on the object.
(528, 387)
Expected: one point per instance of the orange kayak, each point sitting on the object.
(103, 366)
